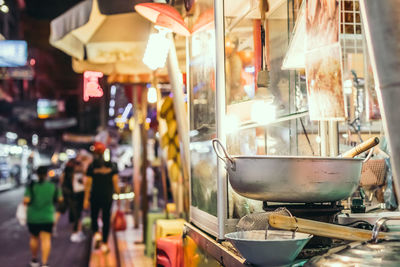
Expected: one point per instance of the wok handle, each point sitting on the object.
(321, 229)
(364, 146)
(378, 226)
(223, 155)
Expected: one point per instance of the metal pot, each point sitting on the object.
(293, 179)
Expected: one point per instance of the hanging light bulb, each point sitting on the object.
(157, 49)
(152, 95)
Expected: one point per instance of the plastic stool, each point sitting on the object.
(162, 260)
(169, 251)
(169, 227)
(152, 218)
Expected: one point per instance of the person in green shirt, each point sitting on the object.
(40, 197)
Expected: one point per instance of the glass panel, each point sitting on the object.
(363, 115)
(266, 106)
(257, 89)
(202, 110)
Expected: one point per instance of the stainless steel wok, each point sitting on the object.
(292, 179)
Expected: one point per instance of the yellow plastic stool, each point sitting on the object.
(166, 228)
(169, 227)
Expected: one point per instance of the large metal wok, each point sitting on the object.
(294, 179)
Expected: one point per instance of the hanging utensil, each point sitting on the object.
(188, 4)
(364, 146)
(306, 135)
(263, 74)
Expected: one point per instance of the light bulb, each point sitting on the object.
(157, 49)
(152, 95)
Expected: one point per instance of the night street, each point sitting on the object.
(15, 238)
(196, 133)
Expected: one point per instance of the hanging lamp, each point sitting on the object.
(163, 15)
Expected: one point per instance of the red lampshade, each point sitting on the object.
(205, 21)
(163, 15)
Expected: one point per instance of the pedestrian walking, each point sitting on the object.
(67, 190)
(78, 189)
(101, 182)
(40, 197)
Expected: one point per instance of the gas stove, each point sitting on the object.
(323, 212)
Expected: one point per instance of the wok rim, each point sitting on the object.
(296, 157)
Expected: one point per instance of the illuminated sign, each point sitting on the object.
(91, 86)
(13, 53)
(46, 108)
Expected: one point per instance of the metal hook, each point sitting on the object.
(291, 216)
(285, 210)
(369, 155)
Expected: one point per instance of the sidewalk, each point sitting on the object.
(131, 253)
(66, 253)
(124, 252)
(100, 259)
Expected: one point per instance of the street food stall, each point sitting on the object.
(292, 128)
(280, 94)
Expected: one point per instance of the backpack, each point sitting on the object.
(55, 196)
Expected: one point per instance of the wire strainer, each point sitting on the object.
(259, 221)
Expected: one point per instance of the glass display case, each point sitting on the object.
(243, 91)
(226, 52)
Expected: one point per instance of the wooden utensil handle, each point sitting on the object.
(364, 146)
(264, 8)
(320, 229)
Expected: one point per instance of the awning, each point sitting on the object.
(85, 34)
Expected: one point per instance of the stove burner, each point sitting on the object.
(308, 253)
(323, 212)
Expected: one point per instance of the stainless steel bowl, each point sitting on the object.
(279, 249)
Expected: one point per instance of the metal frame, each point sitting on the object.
(213, 248)
(381, 23)
(182, 120)
(222, 182)
(204, 220)
(200, 218)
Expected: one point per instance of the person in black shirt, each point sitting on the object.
(101, 182)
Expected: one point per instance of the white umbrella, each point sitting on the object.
(133, 66)
(85, 34)
(106, 43)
